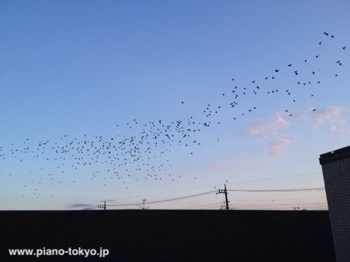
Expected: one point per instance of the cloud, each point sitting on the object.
(85, 206)
(213, 166)
(82, 206)
(327, 115)
(273, 130)
(264, 129)
(333, 117)
(277, 146)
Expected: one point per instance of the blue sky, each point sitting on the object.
(126, 100)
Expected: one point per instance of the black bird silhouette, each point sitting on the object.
(131, 154)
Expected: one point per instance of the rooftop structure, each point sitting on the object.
(336, 174)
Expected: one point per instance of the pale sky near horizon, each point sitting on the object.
(130, 100)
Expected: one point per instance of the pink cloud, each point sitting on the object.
(327, 115)
(332, 116)
(213, 166)
(277, 147)
(275, 130)
(271, 130)
(264, 129)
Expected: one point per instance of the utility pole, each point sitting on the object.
(143, 205)
(104, 206)
(224, 191)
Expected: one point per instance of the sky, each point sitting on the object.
(167, 102)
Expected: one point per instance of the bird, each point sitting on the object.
(144, 151)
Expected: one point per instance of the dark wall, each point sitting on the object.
(171, 235)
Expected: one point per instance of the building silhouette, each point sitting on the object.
(171, 235)
(336, 174)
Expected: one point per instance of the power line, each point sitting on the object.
(168, 200)
(181, 198)
(238, 182)
(278, 190)
(278, 199)
(215, 191)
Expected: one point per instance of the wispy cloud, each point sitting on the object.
(273, 130)
(264, 129)
(276, 129)
(213, 166)
(327, 114)
(277, 147)
(82, 206)
(85, 206)
(333, 117)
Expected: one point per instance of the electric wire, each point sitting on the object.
(215, 191)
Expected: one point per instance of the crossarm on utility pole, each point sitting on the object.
(224, 191)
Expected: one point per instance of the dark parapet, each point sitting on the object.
(339, 154)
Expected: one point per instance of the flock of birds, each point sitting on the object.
(121, 158)
(303, 78)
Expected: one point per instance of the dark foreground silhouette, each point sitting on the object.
(170, 235)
